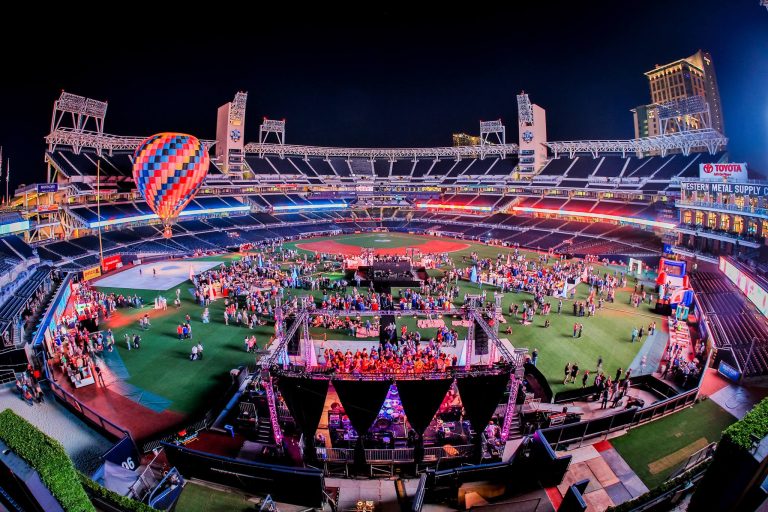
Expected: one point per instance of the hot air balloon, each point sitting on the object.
(168, 169)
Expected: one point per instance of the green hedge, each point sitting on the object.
(48, 458)
(753, 425)
(654, 493)
(122, 502)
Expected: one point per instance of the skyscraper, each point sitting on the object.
(678, 80)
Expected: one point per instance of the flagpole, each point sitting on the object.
(98, 209)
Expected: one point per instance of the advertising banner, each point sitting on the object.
(714, 187)
(91, 273)
(111, 262)
(757, 295)
(730, 172)
(44, 188)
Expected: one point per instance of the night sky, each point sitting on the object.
(393, 79)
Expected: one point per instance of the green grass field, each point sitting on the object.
(162, 365)
(654, 450)
(197, 497)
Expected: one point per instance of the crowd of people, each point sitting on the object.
(28, 386)
(255, 286)
(406, 357)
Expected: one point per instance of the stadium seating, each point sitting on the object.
(734, 322)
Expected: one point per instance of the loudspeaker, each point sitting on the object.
(293, 343)
(481, 341)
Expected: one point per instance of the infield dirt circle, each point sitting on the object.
(432, 246)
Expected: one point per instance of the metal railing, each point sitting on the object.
(104, 425)
(438, 453)
(335, 454)
(721, 206)
(389, 456)
(624, 419)
(449, 373)
(694, 460)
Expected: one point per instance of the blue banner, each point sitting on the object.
(729, 372)
(124, 453)
(44, 188)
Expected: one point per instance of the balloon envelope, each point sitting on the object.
(168, 169)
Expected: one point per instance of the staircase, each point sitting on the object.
(511, 429)
(273, 421)
(34, 320)
(264, 431)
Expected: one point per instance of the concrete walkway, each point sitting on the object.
(652, 349)
(734, 399)
(83, 444)
(611, 480)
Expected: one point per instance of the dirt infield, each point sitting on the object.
(430, 246)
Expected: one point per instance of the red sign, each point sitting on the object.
(111, 262)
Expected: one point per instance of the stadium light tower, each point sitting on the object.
(489, 128)
(77, 115)
(685, 114)
(274, 127)
(230, 134)
(532, 134)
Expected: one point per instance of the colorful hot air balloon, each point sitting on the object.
(168, 169)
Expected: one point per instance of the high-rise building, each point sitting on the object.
(678, 80)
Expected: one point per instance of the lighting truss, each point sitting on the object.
(98, 141)
(708, 139)
(392, 154)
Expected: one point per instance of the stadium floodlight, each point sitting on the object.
(682, 107)
(524, 109)
(684, 114)
(272, 126)
(237, 110)
(491, 128)
(79, 115)
(95, 108)
(72, 103)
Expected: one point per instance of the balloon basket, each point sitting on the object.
(167, 232)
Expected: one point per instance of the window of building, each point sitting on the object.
(699, 218)
(712, 221)
(687, 217)
(725, 222)
(738, 224)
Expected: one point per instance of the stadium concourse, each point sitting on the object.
(484, 322)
